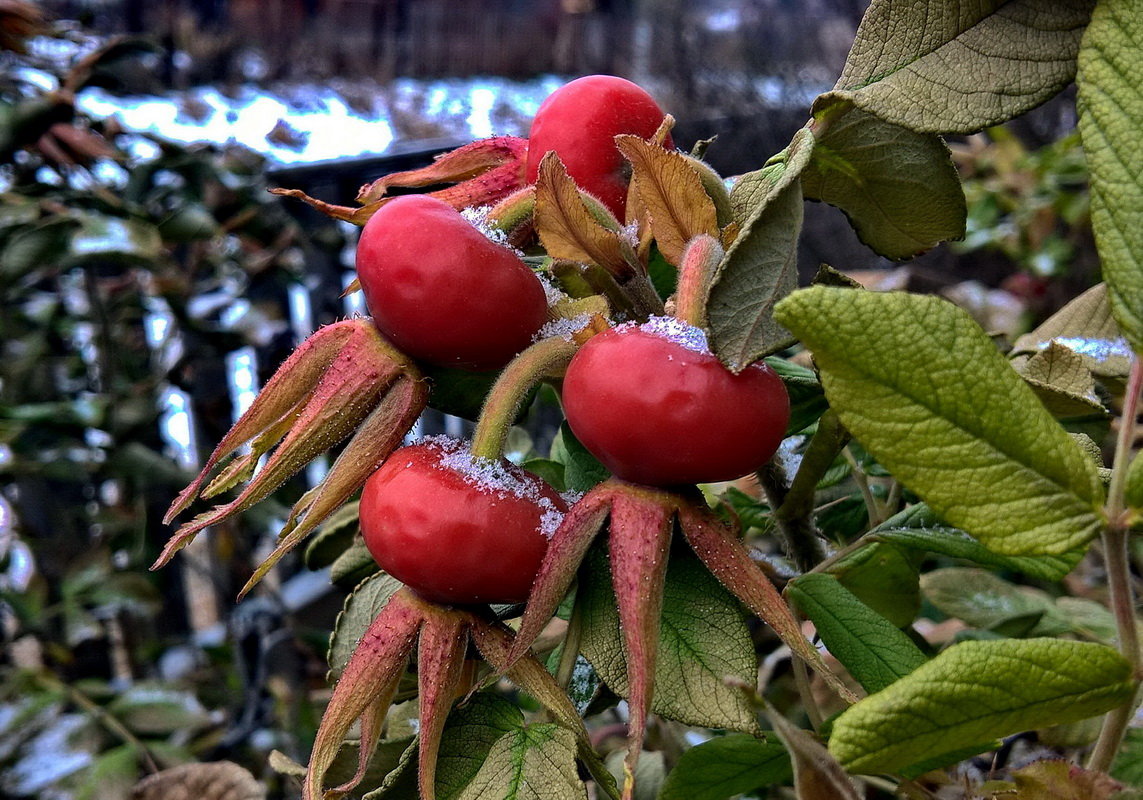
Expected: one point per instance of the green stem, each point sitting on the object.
(570, 653)
(508, 393)
(862, 480)
(1117, 562)
(644, 298)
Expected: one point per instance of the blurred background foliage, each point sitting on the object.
(148, 287)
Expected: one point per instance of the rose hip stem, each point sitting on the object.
(508, 393)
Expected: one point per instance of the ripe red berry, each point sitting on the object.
(657, 407)
(580, 122)
(442, 291)
(458, 529)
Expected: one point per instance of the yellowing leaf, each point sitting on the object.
(975, 692)
(920, 385)
(1086, 327)
(958, 66)
(673, 194)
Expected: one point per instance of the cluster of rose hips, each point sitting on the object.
(458, 524)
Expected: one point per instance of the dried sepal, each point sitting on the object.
(379, 435)
(484, 171)
(729, 561)
(565, 552)
(327, 387)
(365, 690)
(440, 657)
(641, 525)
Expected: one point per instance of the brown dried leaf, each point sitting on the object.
(817, 774)
(221, 780)
(501, 157)
(568, 229)
(672, 191)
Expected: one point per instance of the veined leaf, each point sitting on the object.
(358, 612)
(987, 601)
(874, 651)
(924, 389)
(702, 641)
(899, 188)
(959, 66)
(1110, 106)
(978, 691)
(533, 763)
(761, 267)
(1086, 327)
(672, 192)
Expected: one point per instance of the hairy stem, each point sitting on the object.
(799, 538)
(508, 393)
(1118, 565)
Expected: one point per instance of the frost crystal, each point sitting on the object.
(496, 476)
(563, 328)
(681, 333)
(478, 217)
(553, 294)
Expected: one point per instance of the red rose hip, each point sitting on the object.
(580, 122)
(442, 291)
(458, 529)
(657, 407)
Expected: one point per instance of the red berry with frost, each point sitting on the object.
(656, 407)
(457, 529)
(442, 291)
(580, 122)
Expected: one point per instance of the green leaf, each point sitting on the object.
(533, 763)
(1134, 488)
(1087, 327)
(333, 538)
(582, 470)
(357, 614)
(1110, 104)
(985, 601)
(884, 578)
(899, 188)
(726, 766)
(924, 389)
(470, 733)
(703, 640)
(649, 773)
(931, 536)
(959, 66)
(354, 565)
(978, 691)
(1128, 766)
(807, 400)
(112, 774)
(874, 651)
(761, 267)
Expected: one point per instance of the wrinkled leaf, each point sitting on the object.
(533, 763)
(1061, 780)
(817, 774)
(924, 389)
(1063, 382)
(760, 267)
(984, 600)
(884, 578)
(899, 188)
(1087, 327)
(220, 780)
(1110, 105)
(959, 66)
(702, 641)
(975, 692)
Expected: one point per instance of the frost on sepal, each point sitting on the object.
(482, 173)
(344, 377)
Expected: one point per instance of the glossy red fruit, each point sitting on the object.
(456, 529)
(442, 291)
(656, 407)
(580, 122)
